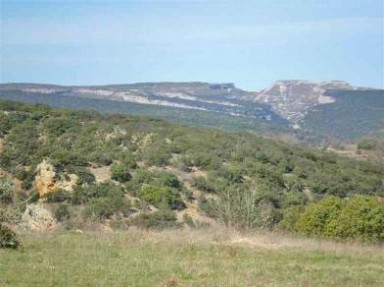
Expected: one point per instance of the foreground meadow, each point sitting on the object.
(187, 258)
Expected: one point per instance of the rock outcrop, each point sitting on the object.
(36, 217)
(46, 180)
(292, 99)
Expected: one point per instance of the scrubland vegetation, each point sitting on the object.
(158, 168)
(183, 204)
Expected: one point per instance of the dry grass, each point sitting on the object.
(204, 257)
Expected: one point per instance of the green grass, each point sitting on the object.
(181, 258)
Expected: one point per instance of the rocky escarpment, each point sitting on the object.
(218, 98)
(292, 99)
(46, 180)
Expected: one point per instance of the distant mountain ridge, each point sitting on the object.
(333, 108)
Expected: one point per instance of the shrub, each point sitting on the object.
(58, 195)
(6, 194)
(8, 238)
(156, 195)
(168, 179)
(164, 218)
(361, 218)
(157, 156)
(314, 221)
(202, 184)
(27, 177)
(187, 219)
(366, 144)
(290, 216)
(236, 207)
(85, 176)
(104, 207)
(58, 126)
(129, 161)
(5, 124)
(294, 198)
(62, 213)
(82, 195)
(33, 196)
(120, 173)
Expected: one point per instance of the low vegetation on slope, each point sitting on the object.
(159, 172)
(353, 115)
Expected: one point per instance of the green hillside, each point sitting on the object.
(354, 114)
(160, 172)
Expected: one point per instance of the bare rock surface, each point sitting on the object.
(37, 217)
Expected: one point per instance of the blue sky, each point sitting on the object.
(249, 43)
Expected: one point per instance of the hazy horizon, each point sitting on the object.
(242, 42)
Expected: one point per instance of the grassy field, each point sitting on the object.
(187, 258)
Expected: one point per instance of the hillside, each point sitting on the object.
(312, 112)
(352, 115)
(67, 169)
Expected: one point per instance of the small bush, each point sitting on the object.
(290, 216)
(202, 184)
(157, 195)
(366, 144)
(169, 179)
(62, 213)
(120, 173)
(104, 207)
(84, 175)
(359, 217)
(187, 219)
(58, 195)
(362, 218)
(157, 155)
(82, 195)
(26, 177)
(6, 194)
(164, 218)
(8, 238)
(314, 221)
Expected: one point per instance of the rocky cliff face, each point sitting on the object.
(292, 99)
(45, 179)
(218, 98)
(47, 182)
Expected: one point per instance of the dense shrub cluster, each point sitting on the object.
(359, 217)
(8, 238)
(164, 218)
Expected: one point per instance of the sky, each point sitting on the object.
(249, 43)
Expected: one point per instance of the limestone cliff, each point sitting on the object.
(46, 180)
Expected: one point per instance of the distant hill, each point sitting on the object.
(313, 112)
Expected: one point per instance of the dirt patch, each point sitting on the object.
(101, 173)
